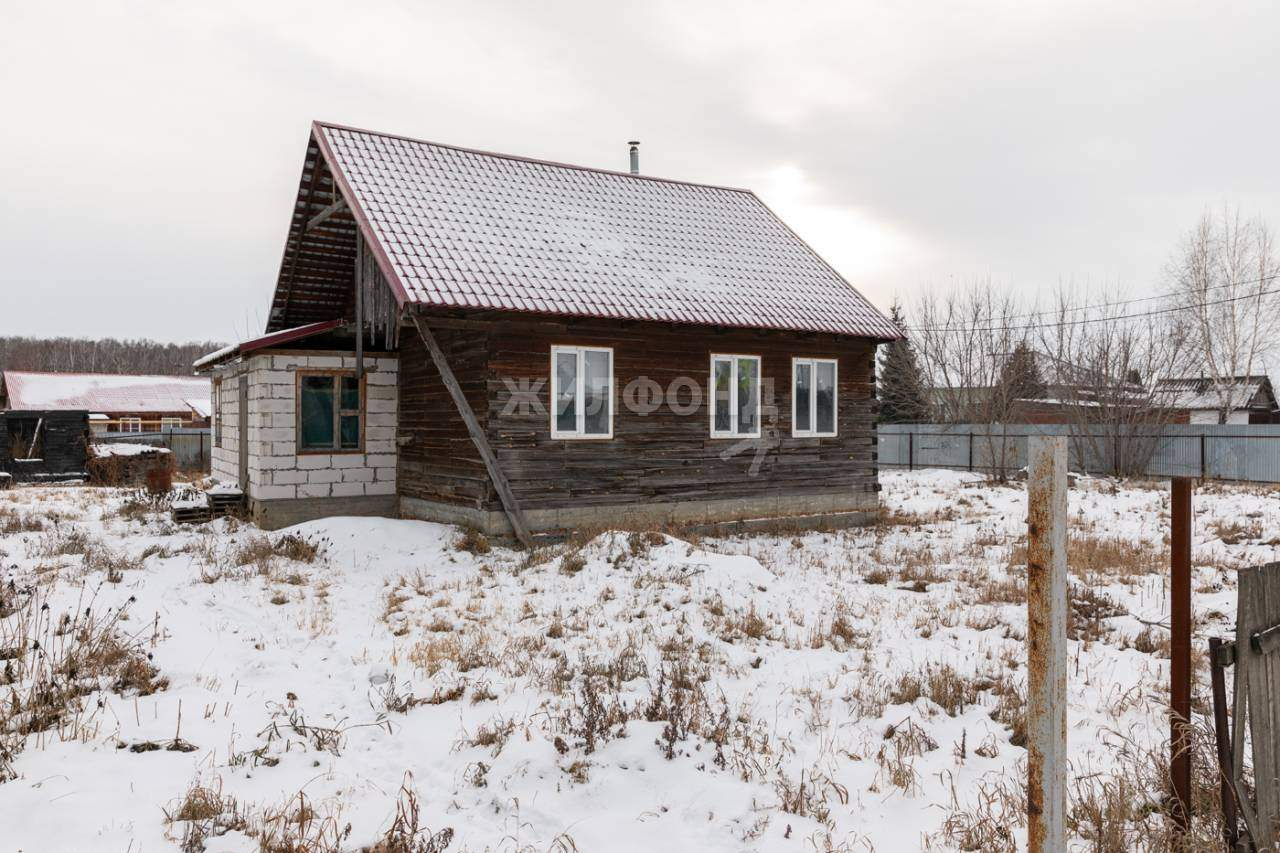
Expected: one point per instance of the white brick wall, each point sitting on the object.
(276, 471)
(225, 465)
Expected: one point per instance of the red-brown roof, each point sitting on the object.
(453, 227)
(106, 392)
(283, 336)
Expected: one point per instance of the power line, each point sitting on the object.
(1102, 305)
(1087, 320)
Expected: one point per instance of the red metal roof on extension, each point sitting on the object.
(457, 228)
(283, 336)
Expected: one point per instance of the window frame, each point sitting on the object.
(813, 397)
(813, 363)
(733, 359)
(170, 423)
(578, 433)
(126, 423)
(338, 413)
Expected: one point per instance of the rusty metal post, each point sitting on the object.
(1222, 731)
(1046, 643)
(1180, 658)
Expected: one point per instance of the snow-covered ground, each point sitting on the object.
(855, 690)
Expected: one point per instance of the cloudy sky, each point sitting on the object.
(150, 152)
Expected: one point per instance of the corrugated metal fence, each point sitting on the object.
(191, 448)
(1212, 452)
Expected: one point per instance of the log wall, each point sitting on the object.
(661, 456)
(64, 440)
(438, 461)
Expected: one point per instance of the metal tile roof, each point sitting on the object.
(105, 392)
(283, 336)
(460, 228)
(1199, 392)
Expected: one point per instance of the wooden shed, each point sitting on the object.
(525, 346)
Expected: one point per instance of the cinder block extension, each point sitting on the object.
(283, 486)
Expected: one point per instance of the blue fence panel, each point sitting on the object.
(1248, 453)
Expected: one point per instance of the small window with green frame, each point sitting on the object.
(330, 413)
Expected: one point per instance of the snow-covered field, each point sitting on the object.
(356, 682)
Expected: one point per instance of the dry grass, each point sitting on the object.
(1126, 808)
(65, 540)
(262, 551)
(54, 663)
(1237, 531)
(572, 563)
(472, 541)
(940, 684)
(12, 522)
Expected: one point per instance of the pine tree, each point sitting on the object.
(904, 395)
(1020, 377)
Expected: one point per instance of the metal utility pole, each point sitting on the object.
(1180, 643)
(1046, 643)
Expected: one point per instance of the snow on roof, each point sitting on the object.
(202, 406)
(457, 228)
(121, 448)
(263, 341)
(101, 392)
(1198, 392)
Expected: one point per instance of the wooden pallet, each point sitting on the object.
(216, 505)
(191, 514)
(223, 503)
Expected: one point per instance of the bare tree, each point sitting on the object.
(964, 340)
(1104, 366)
(107, 355)
(1226, 277)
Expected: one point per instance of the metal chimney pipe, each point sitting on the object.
(635, 156)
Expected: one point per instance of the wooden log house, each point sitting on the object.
(531, 347)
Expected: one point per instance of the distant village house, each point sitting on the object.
(114, 402)
(1197, 400)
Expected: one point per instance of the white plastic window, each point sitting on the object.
(735, 396)
(581, 392)
(813, 397)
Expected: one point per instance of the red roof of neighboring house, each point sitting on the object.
(104, 392)
(457, 228)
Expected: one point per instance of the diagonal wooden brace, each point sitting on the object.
(478, 437)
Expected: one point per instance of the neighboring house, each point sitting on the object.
(545, 347)
(1196, 400)
(1071, 393)
(115, 402)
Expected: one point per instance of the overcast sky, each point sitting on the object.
(150, 152)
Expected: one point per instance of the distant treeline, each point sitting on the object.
(107, 355)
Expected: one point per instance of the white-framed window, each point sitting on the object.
(581, 392)
(170, 423)
(813, 397)
(131, 424)
(735, 396)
